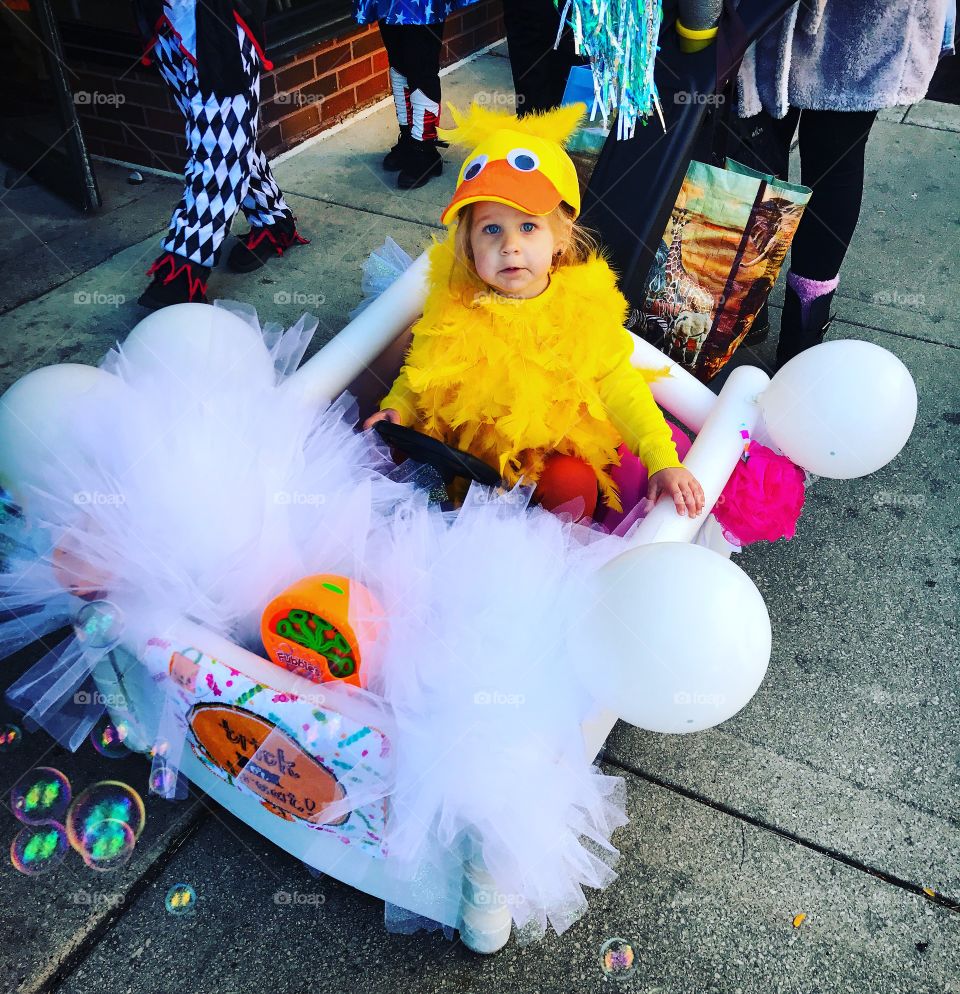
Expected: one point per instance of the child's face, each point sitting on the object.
(512, 251)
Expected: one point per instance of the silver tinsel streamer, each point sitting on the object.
(620, 39)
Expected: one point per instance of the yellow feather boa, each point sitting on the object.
(512, 381)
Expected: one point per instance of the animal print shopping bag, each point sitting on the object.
(720, 255)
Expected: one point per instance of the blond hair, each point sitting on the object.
(579, 245)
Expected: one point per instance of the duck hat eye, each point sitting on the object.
(523, 160)
(475, 166)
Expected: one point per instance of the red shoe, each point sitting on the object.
(258, 245)
(176, 280)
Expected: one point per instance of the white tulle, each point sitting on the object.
(381, 268)
(206, 490)
(480, 673)
(198, 491)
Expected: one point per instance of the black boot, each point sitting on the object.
(421, 162)
(797, 335)
(259, 245)
(393, 160)
(176, 280)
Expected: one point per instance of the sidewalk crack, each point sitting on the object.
(941, 900)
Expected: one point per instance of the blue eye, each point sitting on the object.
(528, 226)
(491, 229)
(523, 160)
(474, 167)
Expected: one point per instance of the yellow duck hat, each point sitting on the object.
(515, 161)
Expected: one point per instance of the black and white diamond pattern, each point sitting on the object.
(225, 171)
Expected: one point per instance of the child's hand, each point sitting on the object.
(388, 415)
(681, 485)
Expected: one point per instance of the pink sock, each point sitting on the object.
(809, 290)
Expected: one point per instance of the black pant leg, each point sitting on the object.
(832, 150)
(392, 35)
(414, 51)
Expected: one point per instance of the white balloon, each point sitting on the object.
(841, 409)
(190, 337)
(680, 637)
(36, 415)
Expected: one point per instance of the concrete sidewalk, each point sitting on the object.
(833, 794)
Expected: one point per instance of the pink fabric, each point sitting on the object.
(631, 480)
(762, 499)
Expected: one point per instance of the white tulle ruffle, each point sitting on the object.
(484, 683)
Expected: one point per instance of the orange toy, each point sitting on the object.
(317, 626)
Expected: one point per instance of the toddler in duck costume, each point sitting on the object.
(521, 357)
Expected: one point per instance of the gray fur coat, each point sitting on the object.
(844, 55)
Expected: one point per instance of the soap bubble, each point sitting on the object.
(108, 737)
(105, 802)
(617, 959)
(181, 899)
(99, 625)
(163, 781)
(107, 845)
(39, 848)
(10, 737)
(40, 796)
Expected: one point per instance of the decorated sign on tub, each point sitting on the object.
(296, 758)
(262, 758)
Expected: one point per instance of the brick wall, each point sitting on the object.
(127, 112)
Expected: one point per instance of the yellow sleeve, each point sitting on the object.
(402, 399)
(634, 413)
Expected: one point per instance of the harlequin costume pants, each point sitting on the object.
(225, 170)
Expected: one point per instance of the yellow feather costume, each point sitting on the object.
(512, 381)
